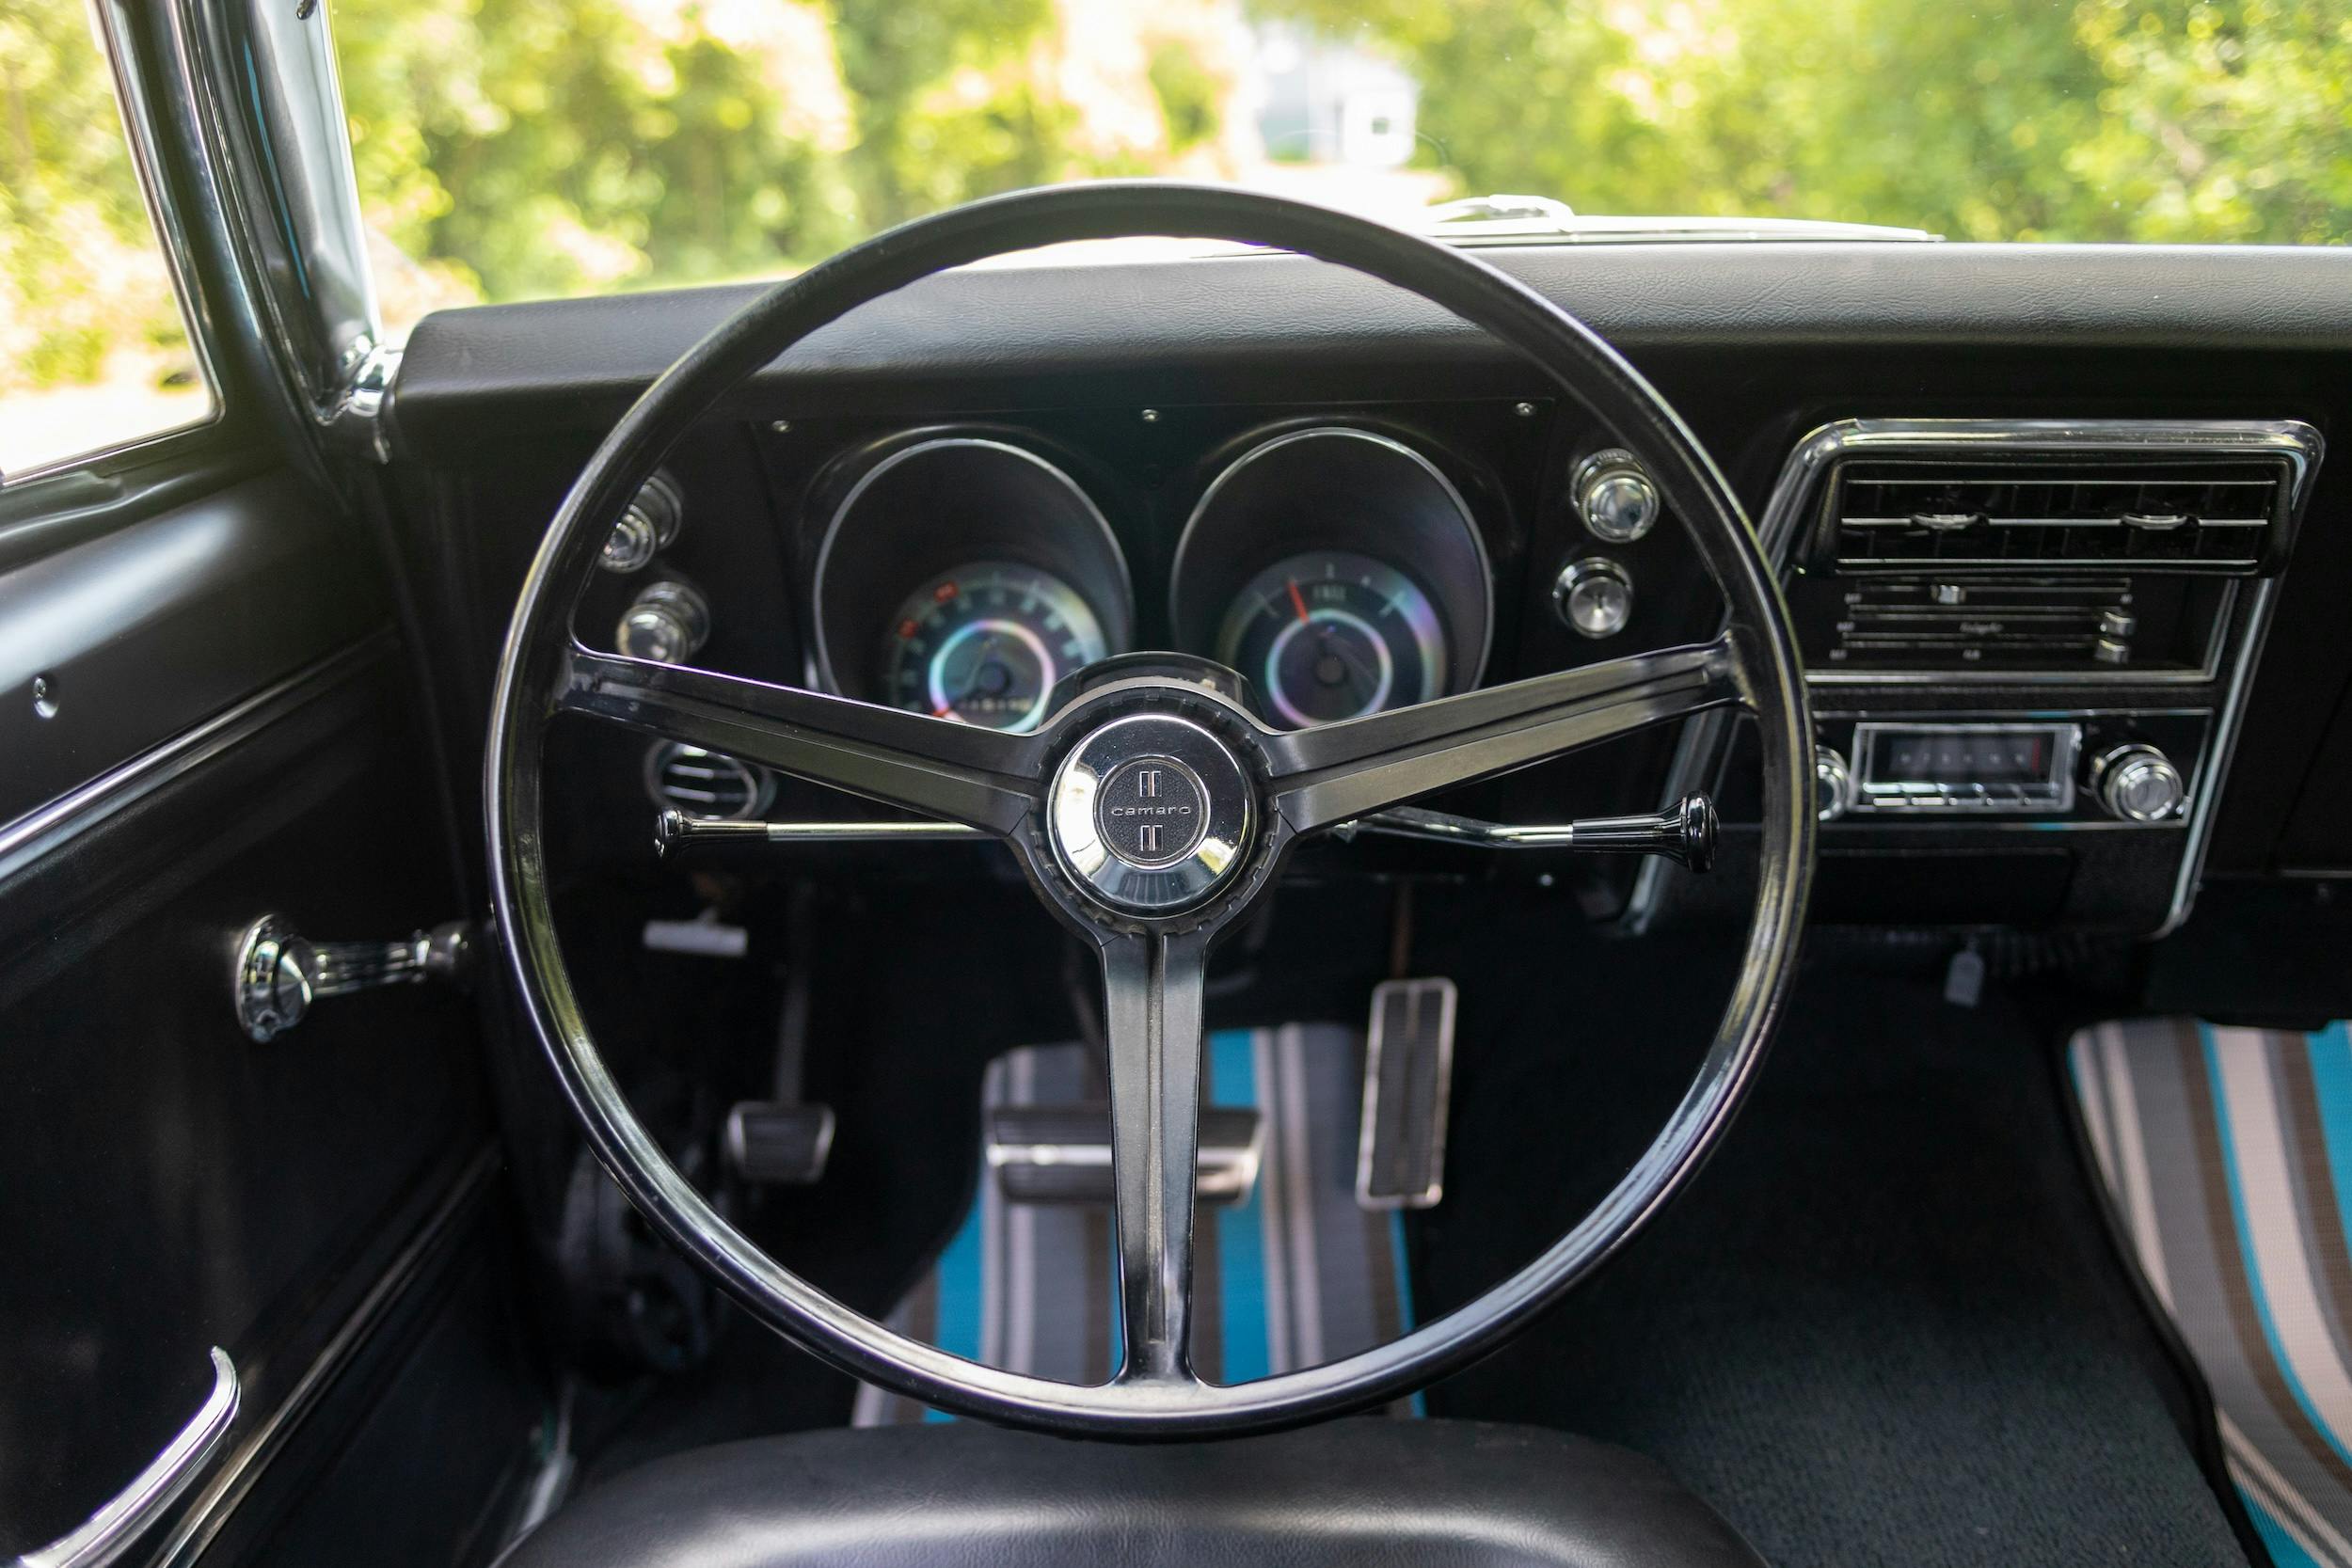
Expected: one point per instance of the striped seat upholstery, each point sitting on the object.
(2228, 1155)
(1296, 1276)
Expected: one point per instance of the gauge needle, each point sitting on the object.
(1298, 600)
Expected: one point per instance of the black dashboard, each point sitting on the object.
(2063, 555)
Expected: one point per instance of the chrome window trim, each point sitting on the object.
(117, 41)
(214, 117)
(1701, 752)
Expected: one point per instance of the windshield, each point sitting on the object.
(518, 149)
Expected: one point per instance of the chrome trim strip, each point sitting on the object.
(827, 672)
(1701, 752)
(131, 1512)
(219, 1502)
(45, 828)
(2212, 767)
(1470, 678)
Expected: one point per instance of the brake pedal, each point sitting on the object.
(1408, 1073)
(773, 1145)
(1062, 1153)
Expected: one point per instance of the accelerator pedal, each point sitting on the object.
(1409, 1074)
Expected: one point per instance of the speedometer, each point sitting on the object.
(1332, 634)
(985, 643)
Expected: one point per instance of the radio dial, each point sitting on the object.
(2138, 783)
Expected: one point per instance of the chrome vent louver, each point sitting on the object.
(2128, 511)
(706, 784)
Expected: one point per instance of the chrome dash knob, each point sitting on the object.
(1833, 783)
(668, 622)
(1594, 597)
(648, 526)
(2137, 782)
(1615, 498)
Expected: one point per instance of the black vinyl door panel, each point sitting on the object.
(232, 733)
(144, 631)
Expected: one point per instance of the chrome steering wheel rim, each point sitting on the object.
(1754, 664)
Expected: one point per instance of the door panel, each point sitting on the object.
(172, 1184)
(141, 632)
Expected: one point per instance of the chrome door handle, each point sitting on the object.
(280, 972)
(115, 1528)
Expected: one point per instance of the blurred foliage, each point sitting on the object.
(1997, 120)
(82, 285)
(512, 149)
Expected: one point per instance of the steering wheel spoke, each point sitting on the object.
(960, 773)
(1151, 1020)
(1336, 773)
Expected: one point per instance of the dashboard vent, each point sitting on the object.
(705, 785)
(2140, 515)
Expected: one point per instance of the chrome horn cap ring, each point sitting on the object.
(1150, 814)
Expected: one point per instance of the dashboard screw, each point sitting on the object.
(780, 426)
(1525, 411)
(1151, 415)
(45, 698)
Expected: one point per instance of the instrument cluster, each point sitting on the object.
(1337, 568)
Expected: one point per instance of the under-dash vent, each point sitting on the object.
(1903, 516)
(705, 784)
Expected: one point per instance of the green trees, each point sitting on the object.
(510, 149)
(1999, 120)
(82, 280)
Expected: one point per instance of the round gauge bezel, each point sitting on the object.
(1384, 500)
(934, 506)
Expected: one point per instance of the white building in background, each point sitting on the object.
(1326, 102)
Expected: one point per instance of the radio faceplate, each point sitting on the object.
(1965, 769)
(2028, 770)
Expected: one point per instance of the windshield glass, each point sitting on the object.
(520, 148)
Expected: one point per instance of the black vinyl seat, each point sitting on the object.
(1364, 1492)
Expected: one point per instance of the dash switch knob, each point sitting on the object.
(1833, 783)
(2137, 782)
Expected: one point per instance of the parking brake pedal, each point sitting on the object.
(1408, 1072)
(1062, 1153)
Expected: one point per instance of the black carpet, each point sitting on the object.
(1884, 1326)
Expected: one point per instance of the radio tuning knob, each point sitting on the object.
(2137, 784)
(1833, 783)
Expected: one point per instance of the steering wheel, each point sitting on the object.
(1148, 811)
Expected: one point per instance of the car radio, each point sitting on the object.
(2076, 767)
(1965, 767)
